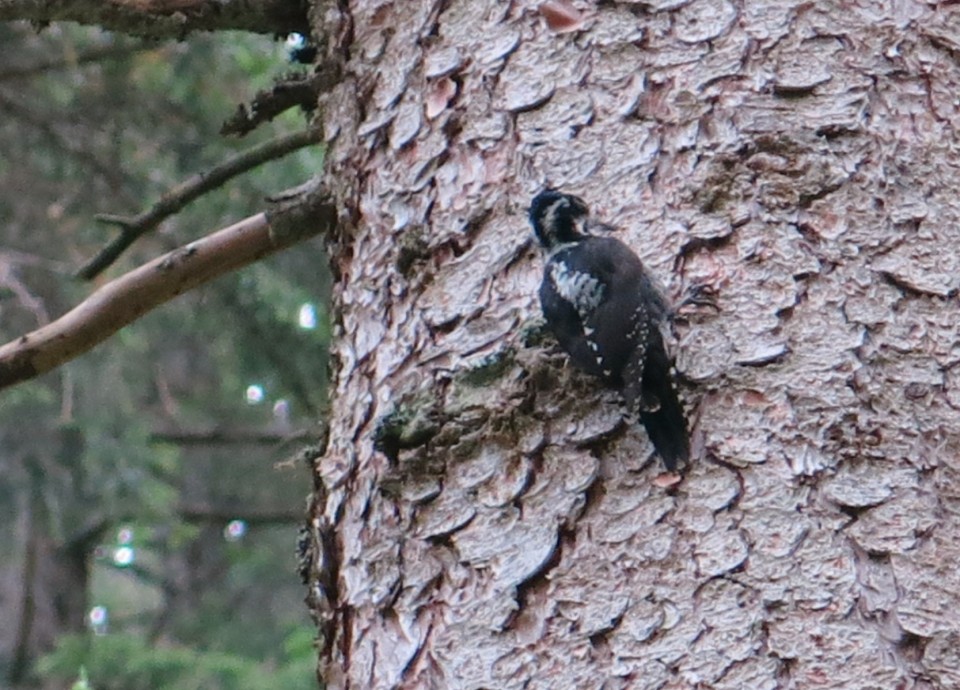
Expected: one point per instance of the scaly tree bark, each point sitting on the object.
(482, 516)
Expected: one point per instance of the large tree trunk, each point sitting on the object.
(483, 517)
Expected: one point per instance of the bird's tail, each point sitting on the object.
(654, 398)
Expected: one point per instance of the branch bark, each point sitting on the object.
(165, 19)
(223, 437)
(295, 90)
(135, 226)
(129, 297)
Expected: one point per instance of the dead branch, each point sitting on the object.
(165, 19)
(12, 257)
(294, 90)
(207, 512)
(132, 227)
(227, 437)
(132, 295)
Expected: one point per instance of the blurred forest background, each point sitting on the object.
(149, 503)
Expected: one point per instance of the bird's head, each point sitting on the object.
(558, 218)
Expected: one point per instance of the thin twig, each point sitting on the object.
(18, 258)
(132, 295)
(207, 512)
(132, 227)
(226, 437)
(300, 89)
(165, 19)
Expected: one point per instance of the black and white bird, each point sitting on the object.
(606, 311)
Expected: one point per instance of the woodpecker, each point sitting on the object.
(606, 312)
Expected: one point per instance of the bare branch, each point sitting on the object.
(165, 18)
(293, 90)
(223, 437)
(129, 297)
(26, 299)
(13, 257)
(133, 227)
(206, 512)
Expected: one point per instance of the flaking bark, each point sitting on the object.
(801, 160)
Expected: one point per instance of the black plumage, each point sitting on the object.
(606, 312)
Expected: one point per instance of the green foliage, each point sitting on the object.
(111, 136)
(121, 662)
(82, 682)
(266, 306)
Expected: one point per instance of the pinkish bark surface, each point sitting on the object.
(800, 158)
